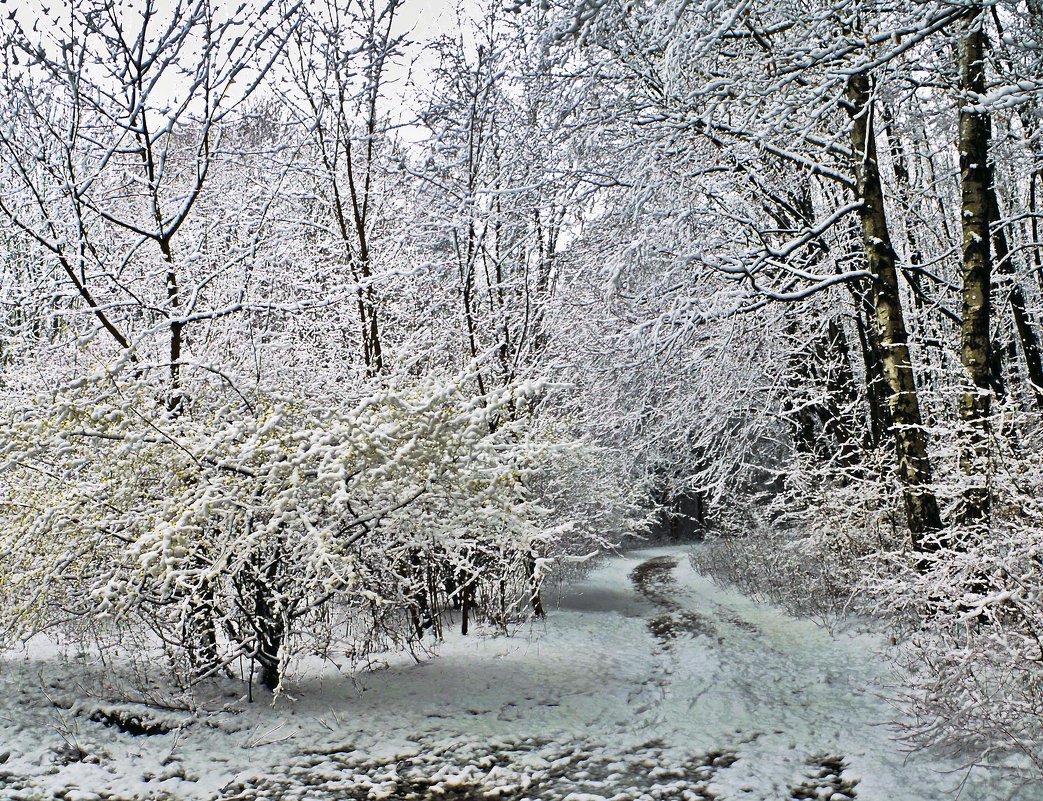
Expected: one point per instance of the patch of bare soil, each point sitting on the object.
(654, 579)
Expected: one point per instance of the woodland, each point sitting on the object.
(324, 328)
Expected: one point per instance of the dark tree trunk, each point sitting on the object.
(975, 335)
(910, 438)
(420, 608)
(880, 421)
(840, 395)
(1023, 327)
(270, 636)
(259, 589)
(466, 591)
(534, 586)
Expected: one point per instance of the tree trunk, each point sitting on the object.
(535, 583)
(823, 384)
(1019, 310)
(1037, 251)
(271, 634)
(840, 395)
(801, 413)
(976, 205)
(175, 400)
(420, 607)
(914, 466)
(880, 421)
(262, 587)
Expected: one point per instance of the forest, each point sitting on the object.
(333, 329)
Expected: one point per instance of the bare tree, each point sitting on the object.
(114, 120)
(339, 62)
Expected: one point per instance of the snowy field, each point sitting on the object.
(646, 682)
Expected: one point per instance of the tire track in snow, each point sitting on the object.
(692, 624)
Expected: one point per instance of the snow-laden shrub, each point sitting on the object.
(972, 646)
(806, 545)
(969, 617)
(270, 530)
(966, 619)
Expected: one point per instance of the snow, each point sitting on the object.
(663, 687)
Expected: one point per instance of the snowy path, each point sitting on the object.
(646, 682)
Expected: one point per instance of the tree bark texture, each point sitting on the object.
(976, 205)
(914, 465)
(1023, 324)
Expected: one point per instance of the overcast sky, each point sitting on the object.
(421, 20)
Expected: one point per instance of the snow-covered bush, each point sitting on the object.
(969, 618)
(272, 529)
(807, 547)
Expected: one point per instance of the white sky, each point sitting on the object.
(421, 20)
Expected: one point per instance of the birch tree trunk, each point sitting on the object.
(914, 465)
(976, 207)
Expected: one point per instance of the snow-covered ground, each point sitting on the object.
(646, 682)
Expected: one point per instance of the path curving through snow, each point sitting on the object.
(804, 711)
(646, 682)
